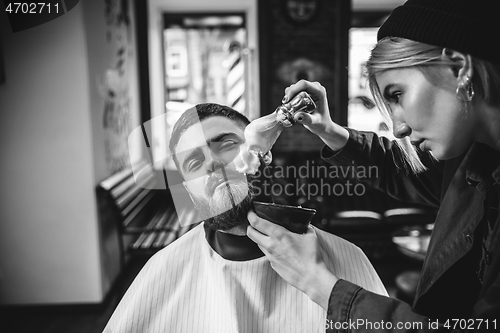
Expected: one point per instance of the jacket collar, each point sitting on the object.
(484, 167)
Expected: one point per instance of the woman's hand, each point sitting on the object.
(319, 122)
(295, 257)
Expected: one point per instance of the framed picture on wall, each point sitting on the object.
(301, 11)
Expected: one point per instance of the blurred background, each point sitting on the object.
(87, 104)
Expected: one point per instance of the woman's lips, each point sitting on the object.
(417, 143)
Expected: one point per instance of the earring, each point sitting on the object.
(465, 90)
(267, 158)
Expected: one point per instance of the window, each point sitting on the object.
(362, 113)
(206, 59)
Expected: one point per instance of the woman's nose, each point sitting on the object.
(401, 129)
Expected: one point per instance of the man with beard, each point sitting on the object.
(214, 278)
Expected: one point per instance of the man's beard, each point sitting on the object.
(228, 204)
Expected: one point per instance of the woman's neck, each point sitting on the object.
(488, 131)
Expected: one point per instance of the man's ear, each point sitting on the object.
(187, 190)
(461, 63)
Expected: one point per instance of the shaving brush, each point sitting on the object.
(262, 133)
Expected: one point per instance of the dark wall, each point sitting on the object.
(141, 12)
(316, 50)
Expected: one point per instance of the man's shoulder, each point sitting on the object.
(348, 262)
(183, 244)
(177, 257)
(332, 239)
(165, 273)
(338, 249)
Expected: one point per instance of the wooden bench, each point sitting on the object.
(142, 210)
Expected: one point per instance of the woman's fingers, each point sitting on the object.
(268, 235)
(303, 118)
(315, 89)
(263, 226)
(257, 231)
(256, 235)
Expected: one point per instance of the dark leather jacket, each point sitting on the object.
(460, 277)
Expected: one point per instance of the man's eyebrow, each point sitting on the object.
(221, 136)
(194, 151)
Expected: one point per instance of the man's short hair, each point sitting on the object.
(197, 114)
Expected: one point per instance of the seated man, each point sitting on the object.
(214, 278)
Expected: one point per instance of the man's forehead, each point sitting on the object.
(199, 133)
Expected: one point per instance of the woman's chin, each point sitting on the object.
(438, 154)
(445, 154)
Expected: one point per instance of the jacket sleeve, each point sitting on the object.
(367, 150)
(354, 309)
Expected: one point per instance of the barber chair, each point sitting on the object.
(411, 231)
(366, 229)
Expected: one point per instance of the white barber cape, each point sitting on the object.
(188, 287)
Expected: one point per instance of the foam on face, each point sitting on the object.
(247, 161)
(260, 136)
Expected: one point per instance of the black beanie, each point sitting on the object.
(468, 26)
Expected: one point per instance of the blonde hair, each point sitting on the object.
(394, 52)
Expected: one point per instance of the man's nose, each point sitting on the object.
(214, 162)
